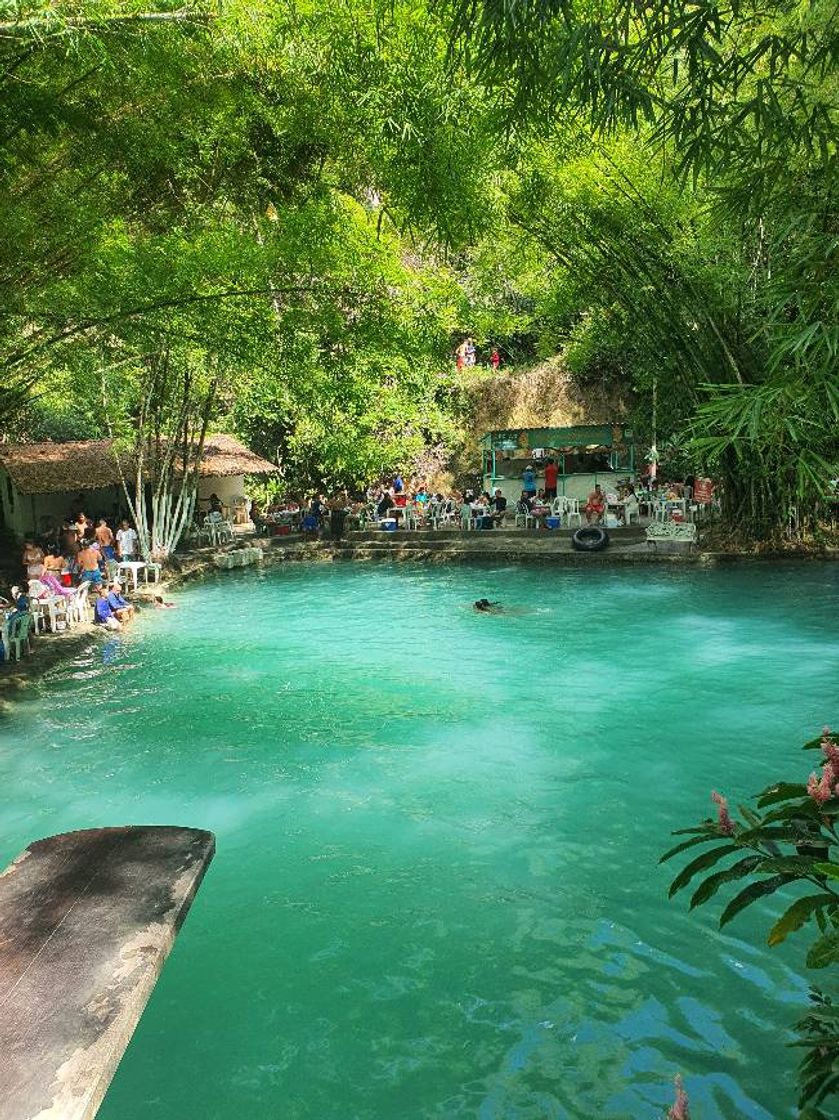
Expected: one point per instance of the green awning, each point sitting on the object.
(581, 435)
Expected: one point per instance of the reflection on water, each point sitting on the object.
(436, 892)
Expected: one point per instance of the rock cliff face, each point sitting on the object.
(544, 396)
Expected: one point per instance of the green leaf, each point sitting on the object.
(751, 894)
(752, 818)
(830, 870)
(815, 744)
(797, 914)
(800, 810)
(781, 791)
(794, 866)
(709, 887)
(685, 844)
(825, 951)
(708, 859)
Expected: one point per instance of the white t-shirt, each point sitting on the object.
(127, 541)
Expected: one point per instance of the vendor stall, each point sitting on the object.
(584, 455)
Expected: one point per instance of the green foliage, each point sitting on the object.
(793, 845)
(720, 266)
(273, 231)
(322, 200)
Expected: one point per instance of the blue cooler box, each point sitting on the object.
(553, 522)
(388, 524)
(486, 522)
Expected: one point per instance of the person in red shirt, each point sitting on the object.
(551, 473)
(495, 358)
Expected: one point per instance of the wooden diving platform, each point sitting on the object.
(86, 921)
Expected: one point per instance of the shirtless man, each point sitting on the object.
(595, 507)
(105, 540)
(83, 525)
(88, 564)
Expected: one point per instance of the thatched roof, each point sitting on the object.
(224, 455)
(56, 468)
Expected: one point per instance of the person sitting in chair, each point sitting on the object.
(595, 507)
(499, 507)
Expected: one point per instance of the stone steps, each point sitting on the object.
(551, 540)
(631, 534)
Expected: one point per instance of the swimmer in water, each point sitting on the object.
(486, 607)
(161, 604)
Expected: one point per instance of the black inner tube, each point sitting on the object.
(590, 539)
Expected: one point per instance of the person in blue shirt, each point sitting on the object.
(398, 485)
(529, 481)
(120, 606)
(103, 612)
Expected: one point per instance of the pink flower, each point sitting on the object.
(820, 788)
(681, 1106)
(726, 824)
(831, 753)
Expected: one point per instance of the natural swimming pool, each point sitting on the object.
(436, 892)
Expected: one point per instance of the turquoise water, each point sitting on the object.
(436, 892)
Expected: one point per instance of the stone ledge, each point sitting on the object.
(87, 920)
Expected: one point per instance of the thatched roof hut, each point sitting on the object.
(51, 468)
(40, 481)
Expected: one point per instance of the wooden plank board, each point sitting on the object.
(86, 921)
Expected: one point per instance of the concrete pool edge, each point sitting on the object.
(190, 567)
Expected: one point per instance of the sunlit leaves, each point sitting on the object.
(789, 842)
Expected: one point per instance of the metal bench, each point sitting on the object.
(671, 532)
(86, 921)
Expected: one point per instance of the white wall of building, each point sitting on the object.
(573, 485)
(33, 514)
(227, 489)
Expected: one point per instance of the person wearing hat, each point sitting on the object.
(528, 478)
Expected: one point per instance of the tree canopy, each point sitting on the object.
(318, 201)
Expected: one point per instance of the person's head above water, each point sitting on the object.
(485, 605)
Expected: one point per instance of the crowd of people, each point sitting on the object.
(421, 506)
(393, 501)
(76, 553)
(623, 502)
(79, 551)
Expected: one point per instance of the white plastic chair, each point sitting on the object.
(59, 613)
(522, 516)
(224, 531)
(240, 510)
(40, 609)
(78, 606)
(152, 569)
(572, 512)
